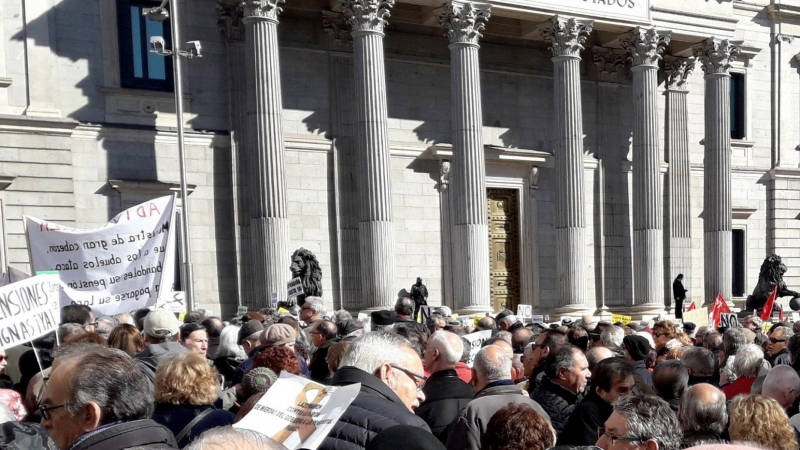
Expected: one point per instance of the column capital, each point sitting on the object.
(566, 35)
(367, 15)
(716, 55)
(645, 45)
(610, 63)
(463, 21)
(230, 21)
(678, 70)
(261, 10)
(335, 26)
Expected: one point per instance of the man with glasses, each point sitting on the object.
(323, 335)
(544, 344)
(640, 422)
(776, 346)
(391, 376)
(491, 378)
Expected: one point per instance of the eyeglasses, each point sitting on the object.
(602, 431)
(3, 358)
(45, 410)
(660, 334)
(776, 341)
(418, 379)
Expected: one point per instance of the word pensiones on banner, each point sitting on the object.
(29, 309)
(112, 269)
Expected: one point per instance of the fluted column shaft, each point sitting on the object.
(269, 222)
(464, 21)
(376, 228)
(715, 56)
(566, 36)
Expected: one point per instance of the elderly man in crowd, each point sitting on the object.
(700, 363)
(596, 354)
(445, 393)
(507, 321)
(404, 315)
(733, 340)
(643, 422)
(546, 343)
(611, 338)
(97, 400)
(783, 385)
(566, 373)
(313, 311)
(702, 414)
(161, 331)
(391, 375)
(491, 376)
(323, 335)
(487, 323)
(670, 380)
(777, 353)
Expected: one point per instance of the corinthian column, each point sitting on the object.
(644, 46)
(375, 227)
(464, 22)
(566, 36)
(269, 221)
(678, 181)
(715, 56)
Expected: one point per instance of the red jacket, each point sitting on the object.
(464, 372)
(741, 386)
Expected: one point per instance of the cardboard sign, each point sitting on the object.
(475, 341)
(241, 310)
(537, 319)
(294, 288)
(620, 318)
(524, 312)
(729, 320)
(112, 269)
(697, 316)
(297, 412)
(424, 313)
(174, 301)
(273, 300)
(29, 309)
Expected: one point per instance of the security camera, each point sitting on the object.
(156, 14)
(194, 49)
(159, 46)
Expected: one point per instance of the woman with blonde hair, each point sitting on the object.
(666, 334)
(186, 388)
(761, 420)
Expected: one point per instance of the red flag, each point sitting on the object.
(766, 313)
(692, 306)
(717, 309)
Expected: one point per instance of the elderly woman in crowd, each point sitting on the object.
(665, 334)
(760, 420)
(186, 387)
(279, 359)
(194, 337)
(126, 338)
(746, 368)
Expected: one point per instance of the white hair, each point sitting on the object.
(612, 335)
(449, 345)
(372, 350)
(778, 380)
(230, 438)
(317, 304)
(748, 361)
(341, 315)
(510, 319)
(490, 368)
(228, 343)
(125, 317)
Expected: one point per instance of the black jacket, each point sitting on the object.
(318, 367)
(692, 438)
(581, 427)
(697, 380)
(445, 396)
(139, 434)
(556, 401)
(410, 324)
(375, 409)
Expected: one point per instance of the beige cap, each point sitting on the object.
(161, 324)
(278, 334)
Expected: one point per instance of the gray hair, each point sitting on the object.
(228, 343)
(372, 350)
(696, 415)
(104, 327)
(786, 332)
(449, 345)
(612, 336)
(563, 357)
(649, 418)
(125, 317)
(224, 438)
(111, 379)
(341, 315)
(700, 360)
(68, 329)
(733, 340)
(317, 304)
(492, 368)
(510, 319)
(755, 319)
(748, 361)
(779, 379)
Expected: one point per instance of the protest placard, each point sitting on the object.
(475, 341)
(524, 312)
(697, 316)
(174, 301)
(616, 318)
(29, 309)
(115, 268)
(241, 310)
(273, 300)
(537, 319)
(424, 313)
(297, 412)
(294, 288)
(729, 320)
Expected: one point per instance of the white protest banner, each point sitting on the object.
(524, 312)
(475, 341)
(729, 320)
(297, 412)
(294, 288)
(29, 309)
(112, 269)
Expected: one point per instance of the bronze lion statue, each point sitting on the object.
(306, 267)
(771, 274)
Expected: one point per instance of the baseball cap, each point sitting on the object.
(161, 324)
(248, 328)
(278, 334)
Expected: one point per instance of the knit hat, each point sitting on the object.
(278, 334)
(690, 329)
(413, 438)
(256, 380)
(637, 346)
(161, 324)
(383, 318)
(248, 328)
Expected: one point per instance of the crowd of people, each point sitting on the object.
(145, 380)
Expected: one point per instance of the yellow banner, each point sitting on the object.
(620, 318)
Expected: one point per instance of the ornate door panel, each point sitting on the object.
(503, 209)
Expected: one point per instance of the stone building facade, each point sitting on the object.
(574, 155)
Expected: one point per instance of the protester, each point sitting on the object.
(700, 363)
(665, 335)
(670, 380)
(390, 373)
(760, 420)
(491, 377)
(445, 394)
(702, 414)
(335, 354)
(213, 328)
(98, 400)
(782, 384)
(544, 345)
(185, 389)
(596, 354)
(126, 338)
(404, 315)
(640, 422)
(777, 353)
(349, 330)
(520, 338)
(278, 359)
(435, 323)
(249, 337)
(733, 340)
(578, 337)
(487, 323)
(161, 330)
(636, 350)
(229, 354)
(323, 335)
(566, 373)
(754, 324)
(611, 337)
(229, 438)
(194, 337)
(746, 368)
(518, 427)
(507, 321)
(382, 321)
(313, 311)
(612, 378)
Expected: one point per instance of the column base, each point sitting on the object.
(648, 312)
(41, 111)
(573, 311)
(474, 310)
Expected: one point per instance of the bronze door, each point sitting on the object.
(503, 208)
